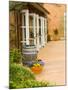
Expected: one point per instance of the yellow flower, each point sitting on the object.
(37, 64)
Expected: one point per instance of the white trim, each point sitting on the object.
(22, 31)
(41, 32)
(27, 27)
(43, 41)
(34, 27)
(25, 10)
(37, 32)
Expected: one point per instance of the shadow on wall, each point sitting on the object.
(56, 36)
(53, 37)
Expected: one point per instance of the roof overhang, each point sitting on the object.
(18, 5)
(40, 7)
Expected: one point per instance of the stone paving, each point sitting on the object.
(53, 54)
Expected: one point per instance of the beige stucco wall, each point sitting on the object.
(12, 34)
(55, 19)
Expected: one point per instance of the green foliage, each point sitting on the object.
(22, 77)
(28, 84)
(15, 56)
(19, 73)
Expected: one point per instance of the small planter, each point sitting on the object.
(37, 68)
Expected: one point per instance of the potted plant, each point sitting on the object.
(37, 66)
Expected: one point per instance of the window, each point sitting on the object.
(40, 30)
(33, 29)
(24, 27)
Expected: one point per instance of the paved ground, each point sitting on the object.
(53, 55)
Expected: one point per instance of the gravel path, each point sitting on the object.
(53, 55)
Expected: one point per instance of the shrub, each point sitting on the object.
(19, 73)
(30, 83)
(22, 77)
(15, 56)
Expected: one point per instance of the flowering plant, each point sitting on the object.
(37, 68)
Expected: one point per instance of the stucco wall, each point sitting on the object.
(12, 32)
(55, 19)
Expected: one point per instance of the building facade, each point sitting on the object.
(28, 25)
(35, 23)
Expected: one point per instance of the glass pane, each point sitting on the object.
(30, 20)
(39, 27)
(39, 39)
(31, 42)
(31, 33)
(31, 30)
(39, 22)
(36, 35)
(35, 21)
(24, 35)
(39, 31)
(23, 19)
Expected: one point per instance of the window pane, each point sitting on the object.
(36, 35)
(31, 33)
(39, 27)
(35, 21)
(31, 30)
(40, 31)
(30, 20)
(24, 35)
(39, 22)
(23, 19)
(31, 42)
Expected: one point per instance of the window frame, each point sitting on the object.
(26, 41)
(35, 27)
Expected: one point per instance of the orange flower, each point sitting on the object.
(37, 69)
